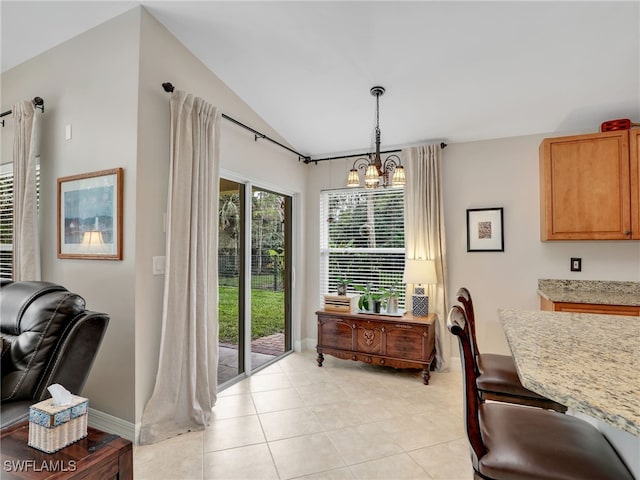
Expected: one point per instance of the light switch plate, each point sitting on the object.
(158, 265)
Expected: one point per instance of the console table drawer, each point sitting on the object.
(408, 344)
(336, 334)
(368, 339)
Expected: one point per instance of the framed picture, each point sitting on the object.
(485, 232)
(90, 215)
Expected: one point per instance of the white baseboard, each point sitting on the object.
(309, 343)
(109, 423)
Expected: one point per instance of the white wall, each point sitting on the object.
(493, 173)
(504, 173)
(89, 82)
(164, 59)
(106, 83)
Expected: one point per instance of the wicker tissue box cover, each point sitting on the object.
(52, 428)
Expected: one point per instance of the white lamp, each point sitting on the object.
(419, 271)
(92, 241)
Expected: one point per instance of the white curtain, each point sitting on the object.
(26, 238)
(185, 388)
(424, 231)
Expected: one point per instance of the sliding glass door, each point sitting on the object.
(231, 254)
(254, 265)
(270, 277)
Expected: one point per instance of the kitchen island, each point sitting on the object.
(590, 363)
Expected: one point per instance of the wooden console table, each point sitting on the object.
(399, 342)
(99, 455)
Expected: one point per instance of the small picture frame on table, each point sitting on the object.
(90, 215)
(485, 230)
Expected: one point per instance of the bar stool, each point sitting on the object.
(513, 442)
(497, 374)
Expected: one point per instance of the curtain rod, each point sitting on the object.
(168, 87)
(365, 154)
(38, 102)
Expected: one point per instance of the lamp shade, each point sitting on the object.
(92, 241)
(371, 177)
(399, 178)
(354, 179)
(420, 271)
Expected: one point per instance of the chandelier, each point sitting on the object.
(387, 173)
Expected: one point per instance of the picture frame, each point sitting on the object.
(485, 230)
(90, 215)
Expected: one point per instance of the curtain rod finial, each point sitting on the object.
(167, 87)
(38, 102)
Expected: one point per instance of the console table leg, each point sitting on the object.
(426, 375)
(320, 358)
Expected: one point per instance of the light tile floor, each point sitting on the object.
(346, 420)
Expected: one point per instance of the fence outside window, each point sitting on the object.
(266, 272)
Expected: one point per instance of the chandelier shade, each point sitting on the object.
(354, 179)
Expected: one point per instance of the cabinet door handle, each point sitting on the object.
(627, 232)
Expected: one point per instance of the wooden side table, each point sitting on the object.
(99, 455)
(399, 342)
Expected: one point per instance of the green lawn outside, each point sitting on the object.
(267, 313)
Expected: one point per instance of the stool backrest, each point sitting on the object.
(459, 326)
(464, 297)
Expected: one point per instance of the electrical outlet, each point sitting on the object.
(576, 264)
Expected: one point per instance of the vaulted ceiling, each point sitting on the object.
(453, 71)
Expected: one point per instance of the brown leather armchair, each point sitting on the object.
(48, 337)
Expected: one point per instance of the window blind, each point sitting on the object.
(6, 217)
(362, 239)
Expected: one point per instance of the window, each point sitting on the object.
(6, 217)
(362, 239)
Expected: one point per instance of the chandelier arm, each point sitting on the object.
(361, 163)
(391, 162)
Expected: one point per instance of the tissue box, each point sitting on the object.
(54, 427)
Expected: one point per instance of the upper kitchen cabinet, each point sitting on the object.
(589, 187)
(635, 183)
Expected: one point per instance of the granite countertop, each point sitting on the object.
(587, 362)
(590, 291)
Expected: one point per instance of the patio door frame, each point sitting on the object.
(287, 279)
(246, 189)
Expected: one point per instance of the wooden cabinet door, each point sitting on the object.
(627, 310)
(585, 187)
(335, 333)
(407, 342)
(369, 338)
(635, 183)
(601, 309)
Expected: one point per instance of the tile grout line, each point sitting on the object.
(264, 434)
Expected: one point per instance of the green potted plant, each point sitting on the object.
(343, 283)
(390, 297)
(368, 299)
